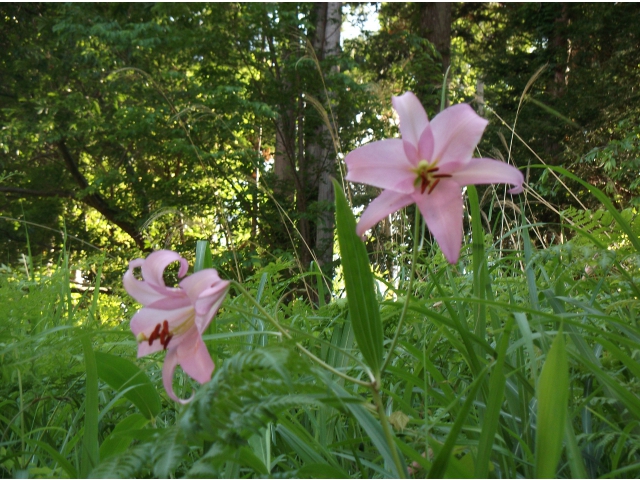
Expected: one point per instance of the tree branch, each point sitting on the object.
(96, 201)
(37, 193)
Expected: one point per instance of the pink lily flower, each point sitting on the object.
(428, 167)
(174, 319)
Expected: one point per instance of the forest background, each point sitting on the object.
(128, 128)
(134, 128)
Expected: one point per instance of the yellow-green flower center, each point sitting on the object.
(427, 176)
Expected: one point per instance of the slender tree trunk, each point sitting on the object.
(284, 158)
(560, 46)
(480, 96)
(321, 149)
(435, 23)
(435, 26)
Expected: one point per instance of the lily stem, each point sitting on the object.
(284, 332)
(388, 434)
(412, 275)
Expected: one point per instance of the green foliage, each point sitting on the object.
(125, 377)
(139, 127)
(581, 110)
(461, 396)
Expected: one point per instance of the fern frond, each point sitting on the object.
(126, 465)
(247, 393)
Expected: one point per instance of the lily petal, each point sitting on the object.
(456, 130)
(382, 164)
(485, 170)
(385, 204)
(199, 284)
(442, 210)
(195, 360)
(413, 118)
(168, 369)
(152, 288)
(155, 264)
(426, 144)
(141, 291)
(147, 319)
(206, 291)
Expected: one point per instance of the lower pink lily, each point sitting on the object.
(173, 319)
(428, 167)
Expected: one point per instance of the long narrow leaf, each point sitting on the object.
(363, 306)
(120, 373)
(441, 462)
(494, 403)
(90, 451)
(553, 395)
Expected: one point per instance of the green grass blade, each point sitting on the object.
(315, 268)
(553, 395)
(66, 466)
(372, 428)
(90, 447)
(320, 470)
(530, 274)
(527, 336)
(494, 403)
(301, 442)
(480, 274)
(363, 305)
(576, 464)
(439, 467)
(203, 256)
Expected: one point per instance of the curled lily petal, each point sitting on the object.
(386, 203)
(155, 264)
(206, 291)
(442, 211)
(152, 288)
(169, 367)
(143, 292)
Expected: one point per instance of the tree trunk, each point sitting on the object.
(435, 26)
(321, 149)
(560, 49)
(435, 23)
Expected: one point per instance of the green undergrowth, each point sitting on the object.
(519, 361)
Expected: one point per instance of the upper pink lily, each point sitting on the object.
(428, 167)
(174, 319)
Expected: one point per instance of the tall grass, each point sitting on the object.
(519, 361)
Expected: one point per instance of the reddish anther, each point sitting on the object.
(165, 336)
(155, 334)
